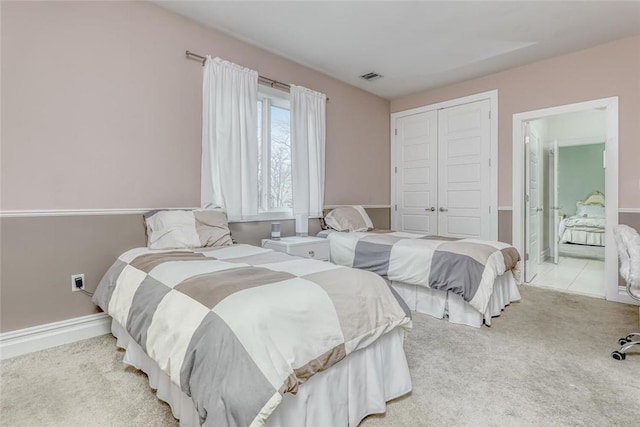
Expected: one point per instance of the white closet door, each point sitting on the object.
(416, 174)
(464, 147)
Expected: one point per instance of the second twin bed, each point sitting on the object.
(468, 281)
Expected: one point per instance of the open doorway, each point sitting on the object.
(565, 218)
(613, 291)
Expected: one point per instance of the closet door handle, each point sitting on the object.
(432, 209)
(443, 210)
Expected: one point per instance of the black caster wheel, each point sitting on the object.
(618, 356)
(629, 338)
(623, 341)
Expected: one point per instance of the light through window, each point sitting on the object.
(274, 152)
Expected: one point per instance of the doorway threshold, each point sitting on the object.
(574, 275)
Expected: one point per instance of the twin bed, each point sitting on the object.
(468, 281)
(228, 333)
(239, 335)
(587, 226)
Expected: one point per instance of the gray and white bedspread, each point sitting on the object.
(236, 327)
(467, 267)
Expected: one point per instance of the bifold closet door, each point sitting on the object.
(416, 174)
(464, 153)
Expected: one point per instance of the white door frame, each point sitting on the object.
(492, 96)
(554, 210)
(613, 292)
(534, 259)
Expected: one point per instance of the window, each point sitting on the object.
(274, 152)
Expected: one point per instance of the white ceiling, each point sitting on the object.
(415, 45)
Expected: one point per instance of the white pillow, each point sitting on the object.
(183, 229)
(589, 211)
(349, 218)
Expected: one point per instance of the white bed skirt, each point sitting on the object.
(442, 303)
(583, 237)
(343, 395)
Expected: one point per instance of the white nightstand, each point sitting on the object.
(308, 247)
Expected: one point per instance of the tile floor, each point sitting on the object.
(576, 275)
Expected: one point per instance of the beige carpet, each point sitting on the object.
(544, 362)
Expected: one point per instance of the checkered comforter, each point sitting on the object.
(237, 326)
(466, 267)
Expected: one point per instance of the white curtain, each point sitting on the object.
(229, 138)
(308, 131)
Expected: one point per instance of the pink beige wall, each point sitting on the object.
(40, 253)
(611, 69)
(100, 109)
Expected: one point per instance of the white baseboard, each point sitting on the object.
(28, 340)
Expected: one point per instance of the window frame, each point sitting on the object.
(269, 97)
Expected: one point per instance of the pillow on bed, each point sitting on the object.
(589, 211)
(180, 229)
(595, 198)
(349, 218)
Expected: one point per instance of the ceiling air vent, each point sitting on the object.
(371, 76)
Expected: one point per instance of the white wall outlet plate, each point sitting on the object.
(74, 279)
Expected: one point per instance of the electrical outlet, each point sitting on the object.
(77, 282)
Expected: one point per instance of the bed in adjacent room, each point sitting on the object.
(468, 281)
(240, 335)
(587, 226)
